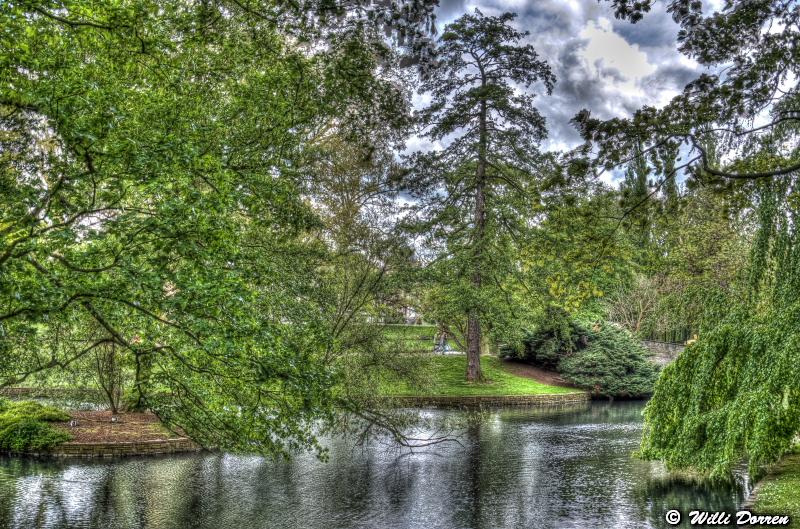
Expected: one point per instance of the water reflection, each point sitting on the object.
(560, 468)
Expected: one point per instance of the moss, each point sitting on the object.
(25, 426)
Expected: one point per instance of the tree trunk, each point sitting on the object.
(474, 373)
(109, 374)
(140, 379)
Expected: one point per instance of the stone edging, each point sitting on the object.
(53, 393)
(137, 448)
(488, 401)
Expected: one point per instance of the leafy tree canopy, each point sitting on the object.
(749, 108)
(151, 198)
(735, 394)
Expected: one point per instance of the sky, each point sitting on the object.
(609, 66)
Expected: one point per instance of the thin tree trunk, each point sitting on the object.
(474, 372)
(108, 374)
(139, 382)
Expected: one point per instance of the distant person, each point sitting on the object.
(440, 345)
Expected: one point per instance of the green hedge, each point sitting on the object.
(25, 426)
(601, 357)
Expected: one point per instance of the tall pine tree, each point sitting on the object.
(492, 131)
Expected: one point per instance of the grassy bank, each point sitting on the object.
(779, 492)
(411, 338)
(448, 380)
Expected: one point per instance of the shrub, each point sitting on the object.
(554, 335)
(24, 426)
(602, 358)
(612, 364)
(36, 411)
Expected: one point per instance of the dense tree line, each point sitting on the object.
(202, 210)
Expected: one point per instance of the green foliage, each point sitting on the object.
(691, 269)
(613, 364)
(152, 174)
(602, 358)
(576, 253)
(637, 201)
(555, 335)
(24, 426)
(735, 393)
(34, 410)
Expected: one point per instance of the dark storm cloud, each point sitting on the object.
(675, 77)
(656, 30)
(449, 9)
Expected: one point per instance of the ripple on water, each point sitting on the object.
(530, 468)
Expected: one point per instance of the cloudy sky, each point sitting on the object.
(609, 66)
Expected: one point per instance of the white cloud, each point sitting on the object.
(609, 66)
(710, 6)
(606, 49)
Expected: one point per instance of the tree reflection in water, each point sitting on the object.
(521, 468)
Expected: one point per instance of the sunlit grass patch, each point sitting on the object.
(449, 380)
(780, 491)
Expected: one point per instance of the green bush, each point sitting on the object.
(555, 335)
(602, 358)
(24, 426)
(612, 364)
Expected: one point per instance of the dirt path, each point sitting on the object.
(540, 375)
(97, 427)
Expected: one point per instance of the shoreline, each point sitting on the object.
(486, 401)
(101, 434)
(775, 492)
(105, 450)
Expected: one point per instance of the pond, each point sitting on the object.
(523, 468)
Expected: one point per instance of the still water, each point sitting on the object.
(525, 468)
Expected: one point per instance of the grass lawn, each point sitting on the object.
(780, 491)
(448, 375)
(417, 338)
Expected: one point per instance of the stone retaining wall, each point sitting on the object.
(141, 448)
(53, 393)
(489, 401)
(664, 352)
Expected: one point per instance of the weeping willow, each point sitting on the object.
(734, 395)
